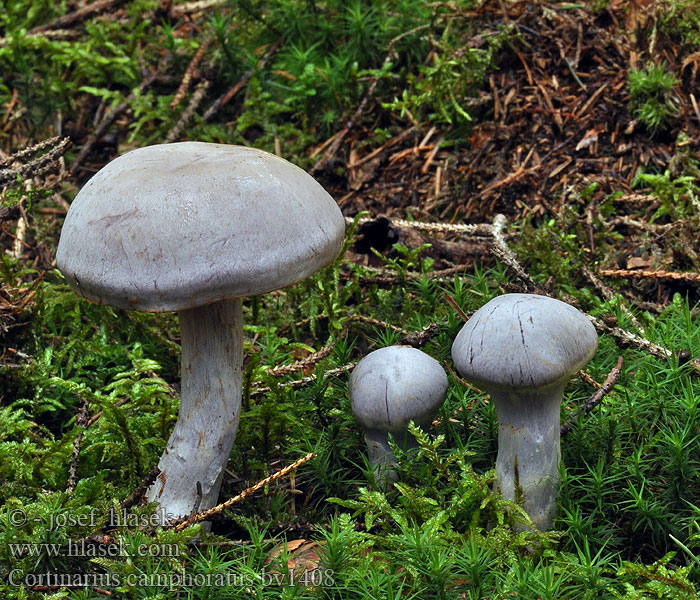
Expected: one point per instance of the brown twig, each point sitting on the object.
(507, 257)
(608, 294)
(203, 516)
(483, 229)
(377, 323)
(596, 398)
(189, 74)
(197, 97)
(97, 415)
(453, 303)
(78, 15)
(304, 381)
(648, 274)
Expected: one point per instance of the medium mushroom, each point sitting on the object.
(388, 388)
(192, 227)
(523, 349)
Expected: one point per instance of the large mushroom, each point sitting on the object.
(389, 388)
(523, 349)
(192, 227)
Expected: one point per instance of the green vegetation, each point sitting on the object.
(651, 96)
(88, 394)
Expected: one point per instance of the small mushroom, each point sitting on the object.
(388, 388)
(192, 227)
(523, 349)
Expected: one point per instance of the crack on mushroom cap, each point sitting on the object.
(393, 385)
(523, 341)
(175, 226)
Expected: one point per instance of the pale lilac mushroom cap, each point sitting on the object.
(523, 349)
(176, 226)
(389, 388)
(524, 341)
(193, 227)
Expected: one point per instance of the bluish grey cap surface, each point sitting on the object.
(523, 341)
(393, 385)
(175, 226)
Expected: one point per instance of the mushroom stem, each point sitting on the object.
(382, 457)
(527, 466)
(210, 401)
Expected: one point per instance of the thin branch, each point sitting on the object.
(648, 274)
(203, 516)
(610, 381)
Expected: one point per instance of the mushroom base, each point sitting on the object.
(527, 466)
(382, 457)
(192, 466)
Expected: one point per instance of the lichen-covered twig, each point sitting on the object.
(649, 274)
(40, 164)
(507, 256)
(463, 228)
(608, 294)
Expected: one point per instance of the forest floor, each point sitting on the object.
(566, 134)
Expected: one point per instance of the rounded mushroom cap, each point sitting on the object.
(523, 341)
(393, 385)
(176, 226)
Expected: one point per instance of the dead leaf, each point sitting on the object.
(590, 138)
(637, 262)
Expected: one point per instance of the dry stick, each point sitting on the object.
(466, 229)
(97, 415)
(192, 106)
(386, 276)
(28, 151)
(189, 72)
(506, 255)
(608, 294)
(223, 100)
(416, 339)
(203, 516)
(377, 323)
(304, 363)
(647, 274)
(36, 166)
(453, 303)
(304, 381)
(596, 398)
(77, 15)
